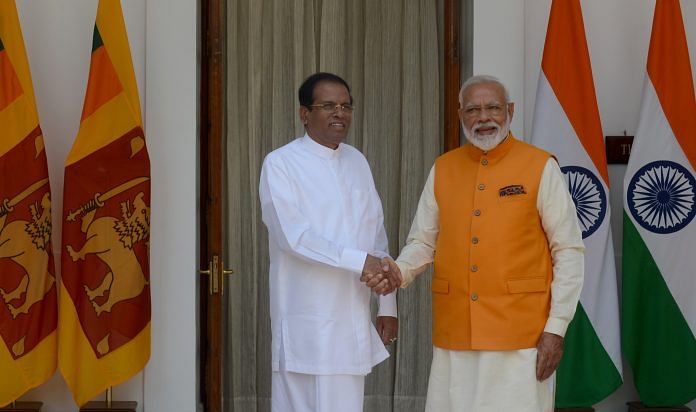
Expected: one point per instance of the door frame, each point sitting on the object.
(212, 123)
(213, 19)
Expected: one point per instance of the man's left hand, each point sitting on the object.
(388, 328)
(549, 352)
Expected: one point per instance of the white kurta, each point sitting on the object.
(448, 372)
(323, 216)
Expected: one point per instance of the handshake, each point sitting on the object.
(381, 275)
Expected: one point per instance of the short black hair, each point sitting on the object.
(306, 91)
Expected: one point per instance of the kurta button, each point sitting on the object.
(474, 240)
(474, 297)
(474, 268)
(477, 212)
(481, 186)
(484, 162)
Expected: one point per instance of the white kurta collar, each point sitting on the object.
(319, 149)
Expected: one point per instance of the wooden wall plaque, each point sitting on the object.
(618, 149)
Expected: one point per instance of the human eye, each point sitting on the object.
(494, 109)
(347, 107)
(329, 107)
(472, 111)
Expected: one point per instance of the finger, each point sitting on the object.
(374, 281)
(547, 368)
(395, 278)
(386, 289)
(381, 286)
(385, 336)
(395, 273)
(539, 366)
(388, 334)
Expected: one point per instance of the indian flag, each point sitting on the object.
(659, 260)
(28, 298)
(566, 123)
(104, 330)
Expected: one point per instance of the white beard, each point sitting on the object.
(487, 143)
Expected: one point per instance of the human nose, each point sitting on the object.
(483, 114)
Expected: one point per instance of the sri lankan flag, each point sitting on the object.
(27, 275)
(104, 331)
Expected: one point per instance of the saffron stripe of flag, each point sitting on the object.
(658, 285)
(105, 291)
(28, 299)
(566, 123)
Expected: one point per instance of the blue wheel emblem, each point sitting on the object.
(589, 197)
(661, 196)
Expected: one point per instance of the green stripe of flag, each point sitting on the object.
(97, 41)
(586, 374)
(656, 340)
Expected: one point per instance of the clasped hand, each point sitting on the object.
(381, 275)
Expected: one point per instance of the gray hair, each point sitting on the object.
(481, 79)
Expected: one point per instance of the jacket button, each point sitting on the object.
(477, 212)
(474, 297)
(474, 240)
(481, 186)
(474, 268)
(484, 162)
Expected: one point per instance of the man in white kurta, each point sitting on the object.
(487, 380)
(325, 225)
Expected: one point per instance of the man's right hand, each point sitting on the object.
(379, 276)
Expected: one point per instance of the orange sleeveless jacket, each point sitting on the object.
(493, 270)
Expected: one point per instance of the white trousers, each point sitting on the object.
(298, 392)
(487, 381)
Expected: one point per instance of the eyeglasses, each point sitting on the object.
(334, 107)
(494, 110)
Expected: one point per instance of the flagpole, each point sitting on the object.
(108, 397)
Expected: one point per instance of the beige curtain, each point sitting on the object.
(390, 53)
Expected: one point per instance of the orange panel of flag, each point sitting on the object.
(104, 332)
(10, 89)
(28, 298)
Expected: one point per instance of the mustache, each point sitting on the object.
(476, 128)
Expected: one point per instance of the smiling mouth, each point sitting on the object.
(339, 125)
(487, 130)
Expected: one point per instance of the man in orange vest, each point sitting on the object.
(509, 263)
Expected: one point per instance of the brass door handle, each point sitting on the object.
(216, 278)
(222, 278)
(212, 272)
(208, 272)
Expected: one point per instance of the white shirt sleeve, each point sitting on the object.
(559, 220)
(291, 231)
(419, 251)
(387, 304)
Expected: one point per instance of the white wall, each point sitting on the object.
(508, 42)
(163, 39)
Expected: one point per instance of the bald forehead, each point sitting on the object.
(489, 90)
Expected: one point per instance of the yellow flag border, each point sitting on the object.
(85, 374)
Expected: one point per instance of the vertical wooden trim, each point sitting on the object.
(452, 71)
(212, 122)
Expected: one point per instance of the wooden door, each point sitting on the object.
(213, 268)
